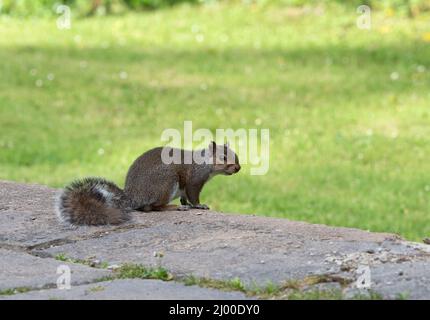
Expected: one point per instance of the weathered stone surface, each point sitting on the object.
(27, 217)
(410, 279)
(131, 289)
(20, 269)
(216, 245)
(230, 252)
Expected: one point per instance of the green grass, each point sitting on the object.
(331, 294)
(95, 264)
(349, 145)
(137, 271)
(234, 284)
(97, 289)
(291, 290)
(12, 291)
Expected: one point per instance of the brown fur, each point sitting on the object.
(82, 203)
(150, 185)
(90, 211)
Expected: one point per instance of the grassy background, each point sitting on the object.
(348, 109)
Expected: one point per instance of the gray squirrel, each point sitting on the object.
(151, 184)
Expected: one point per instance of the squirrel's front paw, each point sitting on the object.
(184, 207)
(201, 206)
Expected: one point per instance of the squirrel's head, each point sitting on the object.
(225, 161)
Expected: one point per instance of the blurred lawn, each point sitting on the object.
(348, 109)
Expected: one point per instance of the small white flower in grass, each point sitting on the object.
(421, 68)
(39, 83)
(394, 76)
(50, 76)
(257, 44)
(77, 38)
(200, 38)
(257, 121)
(224, 38)
(123, 75)
(248, 70)
(101, 151)
(101, 11)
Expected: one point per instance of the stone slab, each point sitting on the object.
(409, 280)
(27, 217)
(215, 245)
(255, 257)
(20, 269)
(130, 289)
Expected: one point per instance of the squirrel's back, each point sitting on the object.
(92, 201)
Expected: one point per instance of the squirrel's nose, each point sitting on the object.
(237, 167)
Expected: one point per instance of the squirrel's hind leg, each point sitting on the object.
(167, 207)
(145, 208)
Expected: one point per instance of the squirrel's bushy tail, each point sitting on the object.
(92, 201)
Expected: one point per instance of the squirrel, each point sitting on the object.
(151, 184)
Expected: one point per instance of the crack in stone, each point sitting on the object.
(70, 239)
